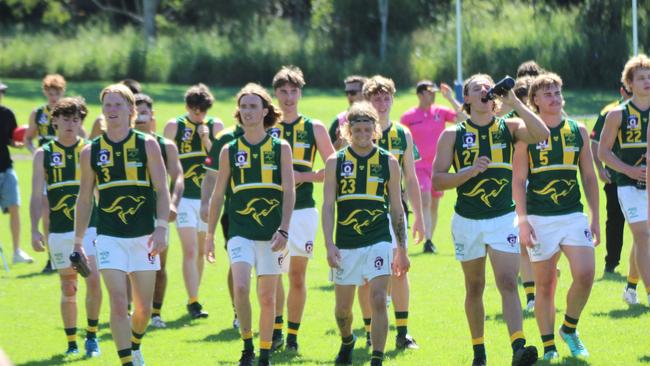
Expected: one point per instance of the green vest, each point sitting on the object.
(255, 203)
(598, 128)
(300, 136)
(192, 154)
(489, 194)
(44, 126)
(62, 175)
(553, 187)
(631, 140)
(362, 198)
(126, 206)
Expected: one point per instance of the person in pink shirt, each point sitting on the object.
(426, 122)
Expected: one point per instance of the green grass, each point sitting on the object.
(31, 329)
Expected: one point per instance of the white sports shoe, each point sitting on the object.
(530, 306)
(138, 360)
(157, 322)
(235, 323)
(629, 295)
(21, 257)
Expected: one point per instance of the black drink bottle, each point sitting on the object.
(500, 89)
(80, 264)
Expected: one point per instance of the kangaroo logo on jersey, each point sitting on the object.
(66, 205)
(347, 169)
(275, 132)
(632, 122)
(469, 140)
(259, 208)
(125, 205)
(193, 174)
(487, 189)
(557, 188)
(361, 218)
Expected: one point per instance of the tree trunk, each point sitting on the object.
(383, 17)
(149, 15)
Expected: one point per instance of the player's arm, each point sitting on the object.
(97, 128)
(31, 133)
(401, 262)
(413, 187)
(84, 206)
(442, 179)
(216, 200)
(445, 90)
(327, 212)
(533, 129)
(605, 153)
(175, 171)
(36, 200)
(325, 149)
(158, 175)
(279, 240)
(519, 177)
(170, 130)
(603, 173)
(590, 185)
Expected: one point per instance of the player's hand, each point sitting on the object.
(278, 242)
(79, 249)
(603, 175)
(158, 241)
(203, 131)
(37, 241)
(595, 232)
(401, 263)
(209, 249)
(418, 230)
(510, 99)
(298, 177)
(480, 165)
(333, 256)
(637, 173)
(445, 90)
(527, 238)
(172, 212)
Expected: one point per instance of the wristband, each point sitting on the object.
(162, 223)
(284, 233)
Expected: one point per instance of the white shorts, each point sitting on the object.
(258, 254)
(60, 246)
(302, 232)
(392, 233)
(634, 203)
(472, 236)
(89, 241)
(552, 231)
(363, 264)
(125, 254)
(188, 215)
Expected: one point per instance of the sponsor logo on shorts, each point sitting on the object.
(235, 253)
(588, 234)
(58, 257)
(537, 249)
(632, 212)
(182, 218)
(309, 246)
(512, 240)
(379, 263)
(280, 260)
(151, 258)
(103, 257)
(460, 249)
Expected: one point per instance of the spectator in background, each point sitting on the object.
(426, 122)
(9, 194)
(353, 87)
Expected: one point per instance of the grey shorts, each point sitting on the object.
(9, 192)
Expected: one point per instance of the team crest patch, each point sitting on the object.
(543, 145)
(103, 157)
(379, 263)
(497, 136)
(187, 134)
(570, 139)
(275, 132)
(632, 122)
(309, 247)
(132, 154)
(375, 170)
(469, 140)
(395, 140)
(347, 169)
(241, 159)
(269, 157)
(56, 160)
(301, 136)
(512, 240)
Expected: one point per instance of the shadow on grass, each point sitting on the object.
(566, 361)
(34, 274)
(525, 314)
(360, 332)
(225, 335)
(644, 359)
(612, 277)
(54, 360)
(633, 311)
(327, 288)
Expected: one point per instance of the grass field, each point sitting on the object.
(31, 328)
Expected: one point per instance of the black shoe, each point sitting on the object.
(405, 342)
(48, 268)
(610, 268)
(376, 362)
(247, 358)
(479, 362)
(525, 356)
(196, 311)
(277, 343)
(291, 346)
(429, 247)
(345, 353)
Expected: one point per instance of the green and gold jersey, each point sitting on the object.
(192, 154)
(255, 202)
(553, 172)
(393, 139)
(631, 140)
(598, 129)
(126, 206)
(362, 198)
(62, 176)
(489, 194)
(43, 118)
(300, 136)
(161, 143)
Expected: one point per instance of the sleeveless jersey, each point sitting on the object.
(62, 175)
(598, 129)
(489, 194)
(362, 198)
(255, 201)
(44, 126)
(192, 154)
(553, 187)
(300, 135)
(631, 141)
(126, 206)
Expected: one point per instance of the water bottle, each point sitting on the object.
(640, 184)
(500, 89)
(80, 264)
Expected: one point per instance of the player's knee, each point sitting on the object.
(241, 290)
(189, 253)
(584, 278)
(475, 287)
(69, 288)
(343, 312)
(378, 299)
(267, 300)
(119, 305)
(297, 279)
